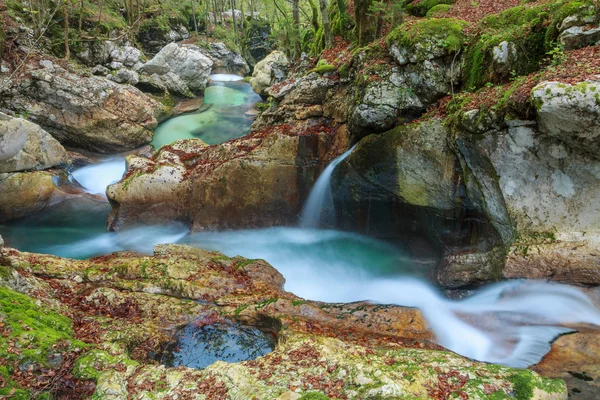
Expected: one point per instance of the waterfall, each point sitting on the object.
(321, 198)
(96, 177)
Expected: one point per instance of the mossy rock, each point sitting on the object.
(429, 38)
(439, 9)
(572, 8)
(421, 8)
(511, 43)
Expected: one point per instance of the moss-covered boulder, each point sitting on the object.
(510, 43)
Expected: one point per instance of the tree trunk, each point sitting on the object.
(66, 25)
(315, 15)
(365, 22)
(194, 16)
(326, 24)
(80, 26)
(235, 32)
(296, 28)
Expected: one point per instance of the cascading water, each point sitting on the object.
(320, 199)
(96, 177)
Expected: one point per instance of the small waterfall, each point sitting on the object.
(321, 198)
(96, 177)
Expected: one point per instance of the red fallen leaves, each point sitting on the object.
(449, 383)
(322, 383)
(467, 11)
(306, 354)
(58, 381)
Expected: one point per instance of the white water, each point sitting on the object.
(96, 177)
(225, 78)
(510, 323)
(320, 199)
(141, 239)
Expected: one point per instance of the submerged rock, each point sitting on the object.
(92, 112)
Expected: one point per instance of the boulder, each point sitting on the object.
(125, 75)
(226, 61)
(267, 72)
(25, 146)
(258, 180)
(108, 52)
(570, 113)
(579, 36)
(24, 193)
(186, 62)
(407, 186)
(92, 113)
(153, 38)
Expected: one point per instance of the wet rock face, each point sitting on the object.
(125, 304)
(26, 146)
(406, 186)
(92, 113)
(258, 40)
(258, 180)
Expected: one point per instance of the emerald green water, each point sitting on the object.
(219, 120)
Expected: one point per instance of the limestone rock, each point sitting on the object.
(25, 146)
(93, 113)
(24, 193)
(125, 75)
(226, 61)
(249, 182)
(579, 36)
(186, 62)
(272, 69)
(570, 113)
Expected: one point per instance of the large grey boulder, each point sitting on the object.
(226, 61)
(570, 113)
(26, 146)
(92, 112)
(187, 62)
(382, 101)
(272, 69)
(109, 52)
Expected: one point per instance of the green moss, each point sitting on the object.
(421, 8)
(314, 396)
(323, 69)
(33, 331)
(578, 8)
(419, 37)
(439, 9)
(525, 28)
(91, 364)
